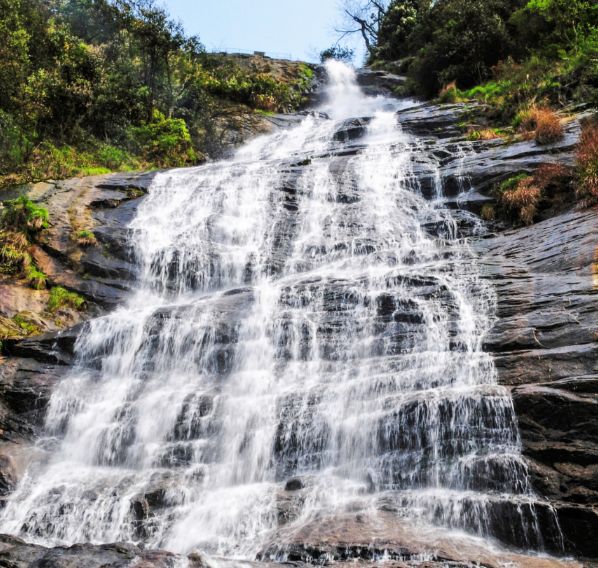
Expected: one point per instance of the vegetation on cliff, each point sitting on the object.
(91, 86)
(508, 53)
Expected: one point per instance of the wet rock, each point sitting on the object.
(369, 537)
(352, 130)
(377, 82)
(54, 348)
(16, 553)
(294, 484)
(546, 349)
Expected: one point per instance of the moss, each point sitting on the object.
(134, 192)
(60, 297)
(26, 324)
(9, 329)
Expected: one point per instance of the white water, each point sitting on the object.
(288, 322)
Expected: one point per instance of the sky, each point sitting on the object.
(296, 28)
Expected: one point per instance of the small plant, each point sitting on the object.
(587, 164)
(484, 134)
(450, 94)
(86, 238)
(60, 297)
(36, 278)
(488, 212)
(543, 122)
(13, 252)
(22, 214)
(523, 198)
(26, 323)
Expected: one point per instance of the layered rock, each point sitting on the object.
(546, 351)
(544, 343)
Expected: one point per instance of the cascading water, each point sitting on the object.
(303, 313)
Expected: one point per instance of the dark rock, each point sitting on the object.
(375, 82)
(16, 553)
(54, 348)
(546, 348)
(294, 484)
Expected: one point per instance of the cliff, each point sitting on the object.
(543, 340)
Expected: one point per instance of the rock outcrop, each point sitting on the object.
(545, 343)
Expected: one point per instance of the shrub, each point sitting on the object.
(587, 164)
(449, 93)
(164, 141)
(86, 238)
(522, 199)
(543, 122)
(60, 297)
(22, 214)
(337, 52)
(36, 278)
(523, 193)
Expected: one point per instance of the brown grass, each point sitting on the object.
(544, 123)
(524, 199)
(587, 164)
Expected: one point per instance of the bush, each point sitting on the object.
(587, 164)
(523, 199)
(164, 141)
(23, 215)
(449, 94)
(36, 278)
(522, 194)
(337, 52)
(543, 122)
(59, 298)
(86, 238)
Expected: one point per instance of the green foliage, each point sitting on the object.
(164, 141)
(516, 51)
(337, 52)
(28, 326)
(512, 182)
(397, 26)
(77, 72)
(23, 215)
(60, 298)
(36, 278)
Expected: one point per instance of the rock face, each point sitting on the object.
(18, 554)
(544, 343)
(546, 351)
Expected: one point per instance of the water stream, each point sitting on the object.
(304, 317)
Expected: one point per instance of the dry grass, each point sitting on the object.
(543, 122)
(587, 164)
(449, 93)
(523, 193)
(524, 199)
(488, 213)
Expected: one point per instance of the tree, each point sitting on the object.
(337, 52)
(398, 23)
(363, 17)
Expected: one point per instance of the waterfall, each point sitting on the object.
(305, 322)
